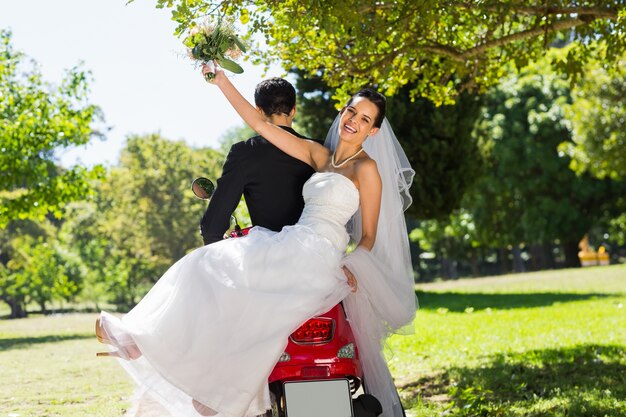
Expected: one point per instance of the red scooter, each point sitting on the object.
(319, 372)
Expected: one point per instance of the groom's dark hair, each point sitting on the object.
(375, 97)
(275, 96)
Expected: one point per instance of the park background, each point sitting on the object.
(512, 117)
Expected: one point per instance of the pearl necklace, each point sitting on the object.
(332, 160)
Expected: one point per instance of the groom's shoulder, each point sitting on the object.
(260, 141)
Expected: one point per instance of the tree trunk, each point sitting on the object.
(448, 268)
(444, 268)
(570, 249)
(416, 251)
(474, 263)
(548, 256)
(536, 257)
(503, 260)
(17, 309)
(518, 262)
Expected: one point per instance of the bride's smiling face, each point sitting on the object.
(357, 120)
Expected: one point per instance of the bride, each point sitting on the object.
(206, 337)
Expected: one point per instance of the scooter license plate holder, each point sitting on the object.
(315, 398)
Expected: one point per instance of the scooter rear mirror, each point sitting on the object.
(202, 188)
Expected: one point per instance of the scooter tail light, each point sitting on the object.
(346, 352)
(315, 331)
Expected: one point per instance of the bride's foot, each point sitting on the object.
(202, 409)
(127, 351)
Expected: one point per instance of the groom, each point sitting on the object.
(270, 180)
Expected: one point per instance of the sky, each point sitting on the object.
(142, 79)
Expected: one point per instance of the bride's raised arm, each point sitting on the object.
(307, 151)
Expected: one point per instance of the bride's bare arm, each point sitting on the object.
(370, 192)
(307, 151)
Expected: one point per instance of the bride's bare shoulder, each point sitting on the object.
(366, 166)
(366, 171)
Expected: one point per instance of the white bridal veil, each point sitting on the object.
(385, 300)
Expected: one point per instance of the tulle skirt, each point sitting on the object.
(213, 327)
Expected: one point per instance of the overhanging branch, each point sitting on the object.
(460, 55)
(599, 12)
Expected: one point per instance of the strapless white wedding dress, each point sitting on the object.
(213, 327)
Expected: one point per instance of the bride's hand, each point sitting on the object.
(212, 73)
(352, 282)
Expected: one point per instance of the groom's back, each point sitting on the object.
(270, 180)
(273, 189)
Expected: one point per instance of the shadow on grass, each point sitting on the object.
(52, 311)
(582, 381)
(24, 342)
(458, 302)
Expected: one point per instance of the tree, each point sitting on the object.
(36, 120)
(14, 287)
(529, 195)
(438, 47)
(598, 116)
(452, 239)
(150, 217)
(82, 232)
(316, 109)
(36, 267)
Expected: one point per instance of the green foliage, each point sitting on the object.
(529, 194)
(147, 216)
(82, 232)
(437, 48)
(598, 116)
(316, 108)
(617, 230)
(441, 149)
(452, 237)
(36, 268)
(111, 248)
(37, 120)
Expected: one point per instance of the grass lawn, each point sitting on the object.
(550, 343)
(542, 344)
(48, 368)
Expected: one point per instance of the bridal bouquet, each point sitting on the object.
(215, 42)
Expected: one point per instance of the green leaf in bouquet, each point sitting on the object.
(188, 42)
(199, 38)
(209, 53)
(223, 44)
(196, 52)
(229, 65)
(202, 53)
(239, 44)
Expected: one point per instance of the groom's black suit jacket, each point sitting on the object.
(270, 180)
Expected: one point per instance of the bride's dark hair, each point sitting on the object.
(375, 97)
